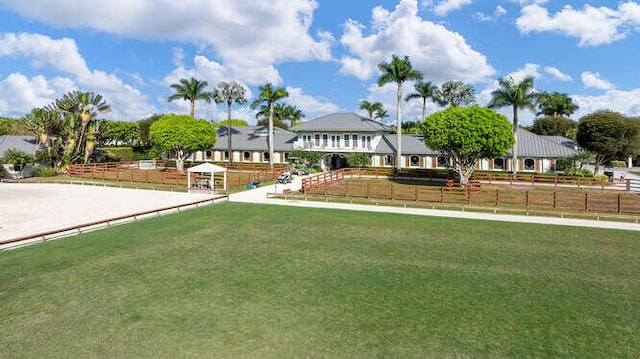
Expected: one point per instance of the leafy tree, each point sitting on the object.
(358, 159)
(467, 134)
(454, 93)
(609, 135)
(118, 132)
(381, 114)
(398, 70)
(370, 107)
(9, 126)
(229, 93)
(269, 96)
(424, 91)
(191, 90)
(145, 125)
(17, 158)
(555, 104)
(517, 95)
(180, 136)
(412, 127)
(553, 126)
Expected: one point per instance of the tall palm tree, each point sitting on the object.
(424, 90)
(191, 90)
(292, 114)
(229, 93)
(279, 110)
(370, 107)
(269, 96)
(555, 104)
(518, 95)
(398, 70)
(381, 114)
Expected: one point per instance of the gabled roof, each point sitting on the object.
(206, 167)
(532, 145)
(342, 122)
(26, 144)
(254, 138)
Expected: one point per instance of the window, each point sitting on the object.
(346, 141)
(414, 161)
(317, 138)
(207, 155)
(325, 140)
(389, 160)
(225, 155)
(355, 140)
(246, 156)
(366, 142)
(529, 164)
(498, 164)
(334, 143)
(442, 162)
(265, 155)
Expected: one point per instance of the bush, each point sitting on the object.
(358, 159)
(618, 164)
(46, 172)
(124, 154)
(579, 172)
(563, 163)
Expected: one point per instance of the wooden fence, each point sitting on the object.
(238, 175)
(536, 179)
(543, 200)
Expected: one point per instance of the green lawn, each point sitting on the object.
(236, 280)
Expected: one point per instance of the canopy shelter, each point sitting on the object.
(203, 176)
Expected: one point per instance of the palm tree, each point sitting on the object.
(279, 110)
(269, 96)
(292, 114)
(555, 104)
(191, 90)
(518, 95)
(229, 93)
(381, 114)
(424, 90)
(370, 107)
(398, 71)
(453, 93)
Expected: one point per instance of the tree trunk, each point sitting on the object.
(193, 109)
(514, 161)
(424, 109)
(399, 129)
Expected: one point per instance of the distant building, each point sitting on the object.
(338, 135)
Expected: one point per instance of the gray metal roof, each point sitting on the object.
(411, 145)
(26, 144)
(532, 145)
(254, 138)
(346, 122)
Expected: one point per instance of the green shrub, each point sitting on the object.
(579, 172)
(46, 172)
(618, 164)
(123, 154)
(358, 159)
(563, 163)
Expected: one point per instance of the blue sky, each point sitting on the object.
(325, 52)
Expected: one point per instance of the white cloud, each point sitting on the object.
(529, 70)
(440, 54)
(62, 55)
(446, 6)
(592, 25)
(247, 36)
(557, 73)
(499, 12)
(593, 80)
(311, 106)
(625, 102)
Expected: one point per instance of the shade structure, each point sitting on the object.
(206, 168)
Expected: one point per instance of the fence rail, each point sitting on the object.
(239, 175)
(331, 186)
(78, 229)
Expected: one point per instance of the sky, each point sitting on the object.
(324, 52)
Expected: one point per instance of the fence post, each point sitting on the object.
(497, 197)
(441, 194)
(416, 192)
(392, 192)
(619, 204)
(526, 196)
(555, 199)
(346, 189)
(586, 202)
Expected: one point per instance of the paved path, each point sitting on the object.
(259, 195)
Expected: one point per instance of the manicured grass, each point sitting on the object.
(239, 280)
